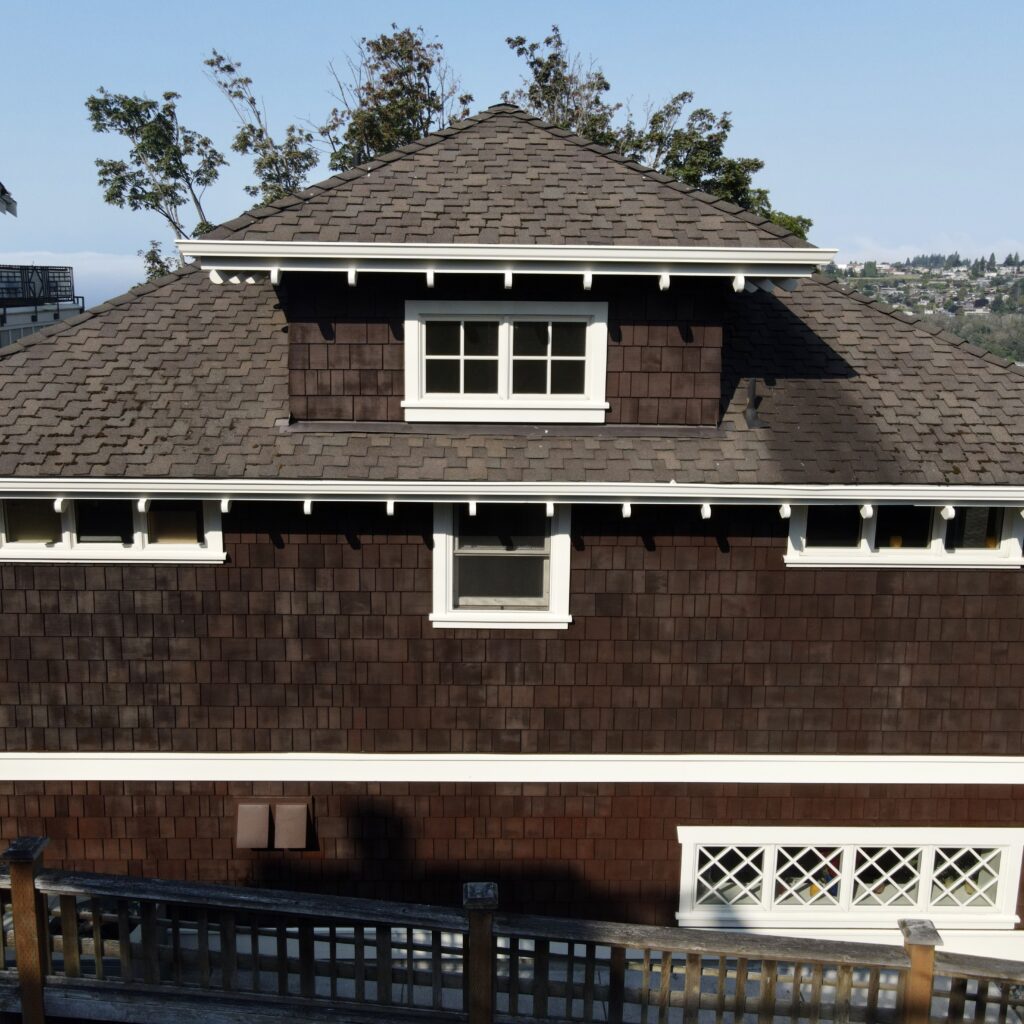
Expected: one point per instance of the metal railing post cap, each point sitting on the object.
(480, 895)
(25, 849)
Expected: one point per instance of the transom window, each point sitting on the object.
(910, 535)
(849, 876)
(501, 565)
(506, 361)
(109, 530)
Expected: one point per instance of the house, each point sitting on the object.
(503, 510)
(32, 297)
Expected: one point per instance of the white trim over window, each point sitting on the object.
(141, 547)
(504, 406)
(766, 876)
(550, 613)
(1007, 552)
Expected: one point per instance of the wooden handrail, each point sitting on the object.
(983, 968)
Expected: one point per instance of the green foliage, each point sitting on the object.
(156, 262)
(401, 88)
(870, 269)
(560, 88)
(168, 167)
(280, 167)
(1003, 334)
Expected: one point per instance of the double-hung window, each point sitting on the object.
(501, 566)
(506, 361)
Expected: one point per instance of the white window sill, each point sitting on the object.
(500, 411)
(82, 555)
(892, 560)
(483, 619)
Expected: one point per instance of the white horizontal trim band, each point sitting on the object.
(560, 491)
(794, 769)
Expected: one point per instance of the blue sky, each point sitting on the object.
(896, 125)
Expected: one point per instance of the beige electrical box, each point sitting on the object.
(252, 827)
(290, 826)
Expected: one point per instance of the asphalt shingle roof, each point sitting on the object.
(504, 177)
(183, 378)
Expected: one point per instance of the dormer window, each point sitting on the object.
(504, 362)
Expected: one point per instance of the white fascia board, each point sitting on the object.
(276, 489)
(235, 255)
(794, 769)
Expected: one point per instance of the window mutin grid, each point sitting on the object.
(848, 876)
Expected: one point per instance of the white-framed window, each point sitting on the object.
(501, 566)
(110, 530)
(913, 536)
(848, 877)
(506, 362)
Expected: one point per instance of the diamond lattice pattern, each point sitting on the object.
(730, 875)
(887, 876)
(806, 875)
(965, 877)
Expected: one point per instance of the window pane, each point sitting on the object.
(975, 528)
(496, 579)
(730, 875)
(442, 377)
(508, 527)
(104, 522)
(568, 339)
(807, 875)
(529, 338)
(442, 338)
(481, 338)
(886, 876)
(903, 526)
(176, 522)
(32, 522)
(833, 526)
(567, 378)
(481, 377)
(965, 877)
(530, 377)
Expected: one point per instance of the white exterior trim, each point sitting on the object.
(769, 913)
(566, 492)
(446, 616)
(753, 769)
(504, 407)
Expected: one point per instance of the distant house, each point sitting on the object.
(503, 510)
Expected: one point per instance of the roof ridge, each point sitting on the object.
(54, 330)
(721, 205)
(937, 333)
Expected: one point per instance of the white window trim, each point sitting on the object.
(1010, 842)
(504, 408)
(1009, 554)
(446, 615)
(141, 550)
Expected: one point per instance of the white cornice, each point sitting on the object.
(571, 492)
(794, 769)
(231, 256)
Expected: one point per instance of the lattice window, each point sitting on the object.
(965, 877)
(730, 875)
(806, 875)
(887, 876)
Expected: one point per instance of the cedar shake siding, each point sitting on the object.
(606, 851)
(346, 355)
(688, 636)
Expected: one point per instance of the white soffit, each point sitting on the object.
(516, 768)
(228, 257)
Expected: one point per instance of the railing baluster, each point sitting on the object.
(957, 998)
(203, 940)
(723, 985)
(816, 979)
(150, 948)
(616, 983)
(282, 959)
(359, 969)
(69, 936)
(980, 999)
(124, 941)
(740, 1001)
(175, 916)
(541, 969)
(665, 988)
(254, 951)
(383, 944)
(307, 960)
(794, 999)
(96, 912)
(228, 951)
(766, 991)
(410, 968)
(436, 976)
(3, 931)
(844, 990)
(645, 986)
(333, 933)
(1004, 1002)
(570, 977)
(589, 970)
(691, 997)
(874, 980)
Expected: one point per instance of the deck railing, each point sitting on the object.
(84, 946)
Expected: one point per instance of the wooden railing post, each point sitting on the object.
(24, 857)
(480, 900)
(919, 939)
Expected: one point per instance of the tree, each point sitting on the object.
(156, 262)
(280, 167)
(401, 88)
(564, 90)
(169, 166)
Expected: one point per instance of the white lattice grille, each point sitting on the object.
(807, 875)
(730, 875)
(965, 877)
(887, 876)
